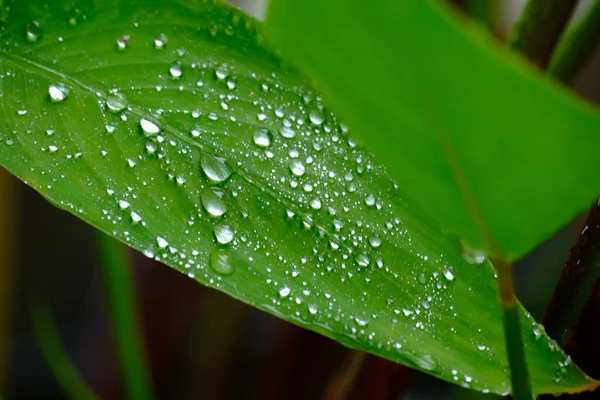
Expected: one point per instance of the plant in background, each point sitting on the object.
(175, 128)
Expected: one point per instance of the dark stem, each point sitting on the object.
(536, 33)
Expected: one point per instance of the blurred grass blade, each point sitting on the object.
(120, 291)
(172, 127)
(55, 355)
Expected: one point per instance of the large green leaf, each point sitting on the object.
(121, 112)
(494, 153)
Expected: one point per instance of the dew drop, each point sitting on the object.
(297, 168)
(316, 116)
(122, 43)
(422, 279)
(370, 200)
(123, 204)
(212, 200)
(448, 275)
(262, 138)
(470, 255)
(33, 32)
(116, 102)
(176, 70)
(220, 262)
(215, 168)
(58, 92)
(135, 217)
(162, 243)
(148, 127)
(362, 259)
(375, 241)
(221, 72)
(287, 132)
(284, 292)
(161, 41)
(223, 233)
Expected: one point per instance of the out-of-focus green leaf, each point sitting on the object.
(171, 127)
(491, 150)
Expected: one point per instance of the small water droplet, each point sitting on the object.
(123, 204)
(362, 259)
(212, 200)
(223, 233)
(287, 132)
(162, 243)
(58, 92)
(370, 200)
(297, 168)
(221, 72)
(422, 279)
(148, 127)
(448, 275)
(220, 262)
(176, 70)
(262, 138)
(135, 217)
(161, 41)
(316, 116)
(122, 42)
(284, 292)
(116, 102)
(33, 32)
(215, 168)
(75, 16)
(375, 241)
(52, 149)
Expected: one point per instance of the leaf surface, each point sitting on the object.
(170, 126)
(493, 151)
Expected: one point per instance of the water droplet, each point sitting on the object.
(448, 275)
(472, 256)
(362, 259)
(221, 72)
(116, 102)
(223, 233)
(58, 92)
(375, 241)
(148, 127)
(262, 138)
(361, 321)
(53, 149)
(33, 32)
(312, 309)
(284, 292)
(315, 203)
(122, 42)
(297, 168)
(215, 168)
(422, 279)
(316, 116)
(75, 16)
(123, 204)
(176, 70)
(287, 132)
(212, 200)
(370, 200)
(161, 41)
(220, 262)
(162, 243)
(135, 217)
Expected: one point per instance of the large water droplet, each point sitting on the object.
(215, 168)
(148, 127)
(316, 116)
(220, 262)
(223, 233)
(212, 200)
(162, 243)
(362, 259)
(262, 138)
(284, 292)
(58, 92)
(472, 256)
(287, 132)
(116, 102)
(33, 32)
(221, 72)
(297, 168)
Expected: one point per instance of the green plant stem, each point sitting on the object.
(120, 292)
(536, 33)
(55, 355)
(519, 374)
(576, 45)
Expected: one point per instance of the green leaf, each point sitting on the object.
(171, 127)
(491, 150)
